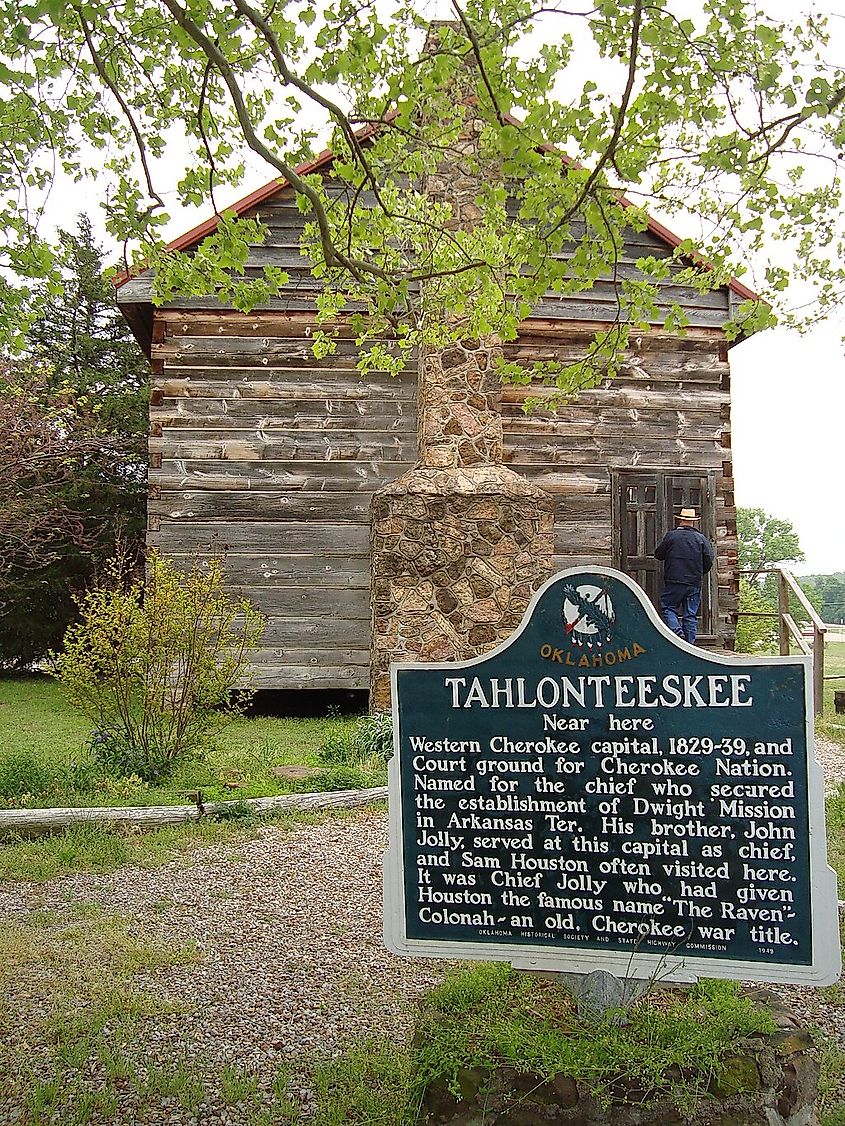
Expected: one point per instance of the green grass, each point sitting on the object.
(102, 848)
(45, 759)
(491, 1015)
(77, 992)
(370, 1085)
(835, 818)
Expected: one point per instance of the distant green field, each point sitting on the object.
(45, 758)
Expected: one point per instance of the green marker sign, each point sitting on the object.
(596, 793)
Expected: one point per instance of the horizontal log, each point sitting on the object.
(583, 509)
(284, 350)
(317, 537)
(654, 344)
(654, 341)
(604, 410)
(256, 402)
(313, 657)
(327, 571)
(565, 561)
(692, 377)
(229, 322)
(280, 602)
(244, 384)
(195, 504)
(639, 437)
(17, 823)
(583, 541)
(295, 676)
(303, 445)
(214, 418)
(317, 632)
(299, 476)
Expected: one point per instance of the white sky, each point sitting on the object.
(788, 389)
(788, 404)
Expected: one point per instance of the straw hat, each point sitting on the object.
(687, 514)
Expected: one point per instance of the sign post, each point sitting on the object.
(598, 794)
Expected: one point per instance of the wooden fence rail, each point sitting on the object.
(787, 628)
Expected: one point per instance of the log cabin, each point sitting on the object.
(262, 453)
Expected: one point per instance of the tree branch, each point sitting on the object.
(476, 50)
(213, 53)
(619, 122)
(263, 26)
(102, 71)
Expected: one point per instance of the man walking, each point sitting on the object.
(687, 557)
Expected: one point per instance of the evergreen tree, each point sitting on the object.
(86, 379)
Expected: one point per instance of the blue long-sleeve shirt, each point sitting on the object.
(687, 556)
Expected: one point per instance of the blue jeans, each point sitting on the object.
(679, 605)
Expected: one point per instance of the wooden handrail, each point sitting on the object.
(787, 627)
(806, 605)
(797, 635)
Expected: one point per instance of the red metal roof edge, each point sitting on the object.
(209, 226)
(656, 228)
(196, 234)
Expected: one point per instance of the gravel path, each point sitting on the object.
(289, 930)
(831, 756)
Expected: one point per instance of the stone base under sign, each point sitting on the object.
(771, 1083)
(457, 554)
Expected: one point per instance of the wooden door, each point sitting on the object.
(641, 505)
(646, 504)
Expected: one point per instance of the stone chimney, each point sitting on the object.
(459, 543)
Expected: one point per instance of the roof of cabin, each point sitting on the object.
(139, 315)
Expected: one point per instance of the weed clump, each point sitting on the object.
(367, 744)
(671, 1043)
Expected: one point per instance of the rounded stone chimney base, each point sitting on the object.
(456, 556)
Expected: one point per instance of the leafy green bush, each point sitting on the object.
(153, 665)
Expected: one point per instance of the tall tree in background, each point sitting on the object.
(765, 541)
(715, 110)
(73, 424)
(831, 594)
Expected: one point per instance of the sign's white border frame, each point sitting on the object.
(824, 927)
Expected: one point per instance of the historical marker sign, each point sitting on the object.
(596, 793)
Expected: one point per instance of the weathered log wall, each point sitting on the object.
(262, 452)
(259, 452)
(668, 409)
(285, 222)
